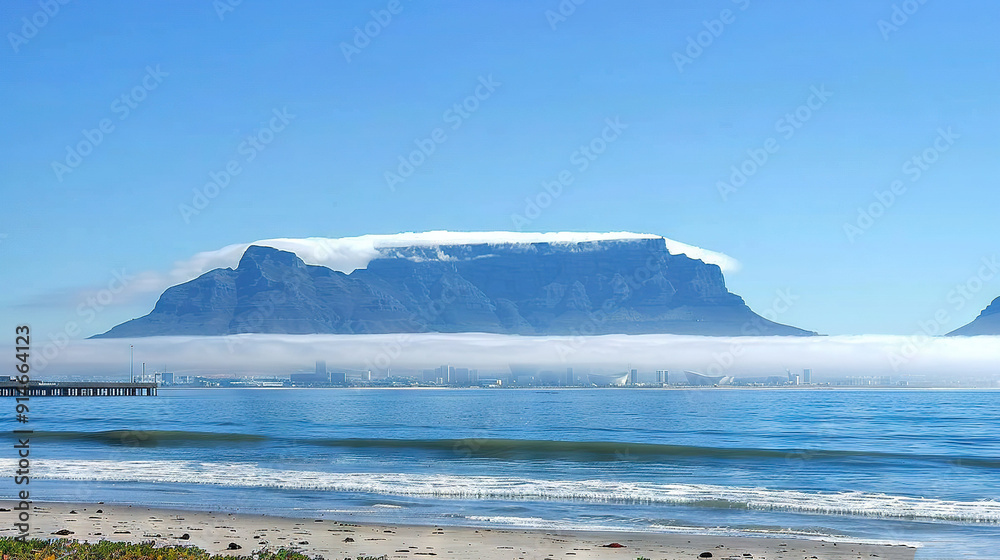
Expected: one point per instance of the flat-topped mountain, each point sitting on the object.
(629, 286)
(988, 322)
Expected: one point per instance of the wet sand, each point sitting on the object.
(220, 532)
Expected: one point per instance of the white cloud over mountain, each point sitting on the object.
(347, 254)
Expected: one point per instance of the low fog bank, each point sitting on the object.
(930, 359)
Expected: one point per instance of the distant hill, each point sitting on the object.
(988, 322)
(632, 286)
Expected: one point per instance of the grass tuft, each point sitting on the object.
(61, 549)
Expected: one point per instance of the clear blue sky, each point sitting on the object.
(324, 173)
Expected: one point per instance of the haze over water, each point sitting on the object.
(894, 466)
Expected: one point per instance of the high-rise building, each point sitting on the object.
(570, 379)
(442, 375)
(321, 370)
(460, 377)
(807, 375)
(338, 377)
(633, 377)
(662, 376)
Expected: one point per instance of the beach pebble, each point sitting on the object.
(234, 546)
(348, 539)
(613, 545)
(705, 555)
(63, 532)
(184, 537)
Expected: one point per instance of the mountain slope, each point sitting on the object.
(630, 286)
(988, 322)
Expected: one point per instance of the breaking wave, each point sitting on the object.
(441, 486)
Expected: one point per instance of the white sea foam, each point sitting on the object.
(511, 488)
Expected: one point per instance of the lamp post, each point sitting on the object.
(131, 364)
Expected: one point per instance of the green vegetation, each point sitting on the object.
(37, 549)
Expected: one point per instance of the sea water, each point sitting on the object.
(920, 467)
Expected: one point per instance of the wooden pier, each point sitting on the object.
(73, 389)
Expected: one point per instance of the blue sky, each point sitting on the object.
(197, 84)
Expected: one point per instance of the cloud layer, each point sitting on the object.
(939, 359)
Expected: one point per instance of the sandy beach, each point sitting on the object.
(222, 532)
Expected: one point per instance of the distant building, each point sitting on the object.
(320, 368)
(460, 377)
(338, 377)
(868, 381)
(807, 375)
(633, 378)
(550, 378)
(167, 378)
(308, 379)
(662, 376)
(524, 380)
(570, 379)
(614, 380)
(700, 379)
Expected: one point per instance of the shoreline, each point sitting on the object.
(334, 539)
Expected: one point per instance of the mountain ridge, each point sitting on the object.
(629, 286)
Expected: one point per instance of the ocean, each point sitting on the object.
(920, 467)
